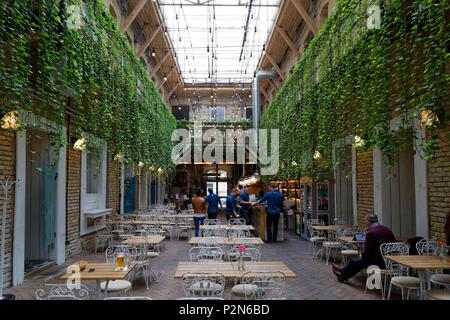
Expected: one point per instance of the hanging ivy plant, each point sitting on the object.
(352, 81)
(60, 58)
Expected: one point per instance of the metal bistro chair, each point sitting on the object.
(237, 221)
(211, 222)
(119, 286)
(104, 237)
(331, 245)
(398, 272)
(431, 248)
(62, 292)
(238, 233)
(316, 238)
(206, 254)
(348, 251)
(203, 284)
(251, 254)
(214, 233)
(268, 285)
(185, 225)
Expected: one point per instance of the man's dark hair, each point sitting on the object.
(373, 218)
(210, 190)
(199, 192)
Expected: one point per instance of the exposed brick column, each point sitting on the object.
(8, 170)
(364, 184)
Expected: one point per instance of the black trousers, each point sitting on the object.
(245, 215)
(272, 226)
(212, 215)
(353, 267)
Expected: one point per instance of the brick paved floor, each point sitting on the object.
(315, 279)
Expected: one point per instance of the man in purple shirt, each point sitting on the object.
(376, 235)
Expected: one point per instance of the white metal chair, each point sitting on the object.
(104, 237)
(331, 245)
(185, 225)
(239, 233)
(62, 292)
(214, 233)
(119, 286)
(211, 222)
(398, 272)
(250, 254)
(437, 294)
(260, 286)
(316, 238)
(203, 284)
(206, 254)
(237, 221)
(431, 248)
(129, 298)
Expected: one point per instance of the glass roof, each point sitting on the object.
(218, 41)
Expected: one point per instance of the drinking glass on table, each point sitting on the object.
(120, 261)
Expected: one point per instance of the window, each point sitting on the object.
(93, 171)
(217, 114)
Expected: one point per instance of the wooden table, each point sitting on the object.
(350, 240)
(230, 270)
(325, 228)
(423, 265)
(103, 272)
(151, 239)
(131, 222)
(224, 227)
(226, 241)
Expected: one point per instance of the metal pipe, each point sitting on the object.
(256, 100)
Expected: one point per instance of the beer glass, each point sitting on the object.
(120, 261)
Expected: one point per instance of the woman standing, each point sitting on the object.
(199, 206)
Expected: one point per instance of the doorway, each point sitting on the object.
(344, 188)
(399, 199)
(40, 201)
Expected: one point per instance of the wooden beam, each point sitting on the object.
(134, 13)
(275, 65)
(148, 41)
(288, 40)
(264, 94)
(172, 91)
(305, 15)
(167, 77)
(161, 62)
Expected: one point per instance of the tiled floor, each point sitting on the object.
(315, 279)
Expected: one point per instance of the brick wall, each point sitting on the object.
(8, 170)
(439, 185)
(73, 244)
(113, 187)
(364, 184)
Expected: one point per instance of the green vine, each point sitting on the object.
(86, 76)
(353, 80)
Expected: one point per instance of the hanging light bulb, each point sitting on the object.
(264, 49)
(80, 144)
(317, 155)
(358, 142)
(153, 53)
(165, 77)
(11, 120)
(141, 164)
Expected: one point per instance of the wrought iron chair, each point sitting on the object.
(239, 233)
(316, 238)
(203, 284)
(211, 222)
(398, 273)
(62, 292)
(237, 221)
(206, 254)
(252, 254)
(267, 285)
(431, 248)
(104, 237)
(214, 233)
(119, 286)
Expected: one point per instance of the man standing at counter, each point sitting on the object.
(274, 201)
(244, 201)
(230, 209)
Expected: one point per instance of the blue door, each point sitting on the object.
(129, 196)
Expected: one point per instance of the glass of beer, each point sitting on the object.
(120, 261)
